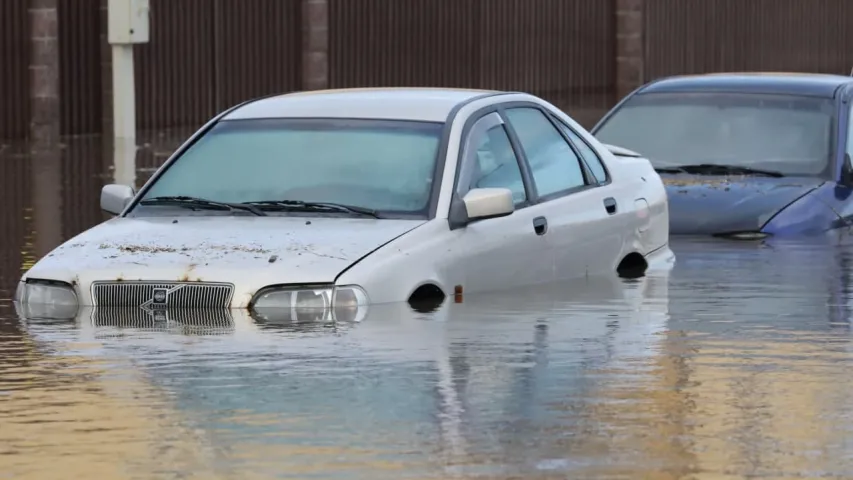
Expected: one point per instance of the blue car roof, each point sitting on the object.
(807, 84)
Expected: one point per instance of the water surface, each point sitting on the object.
(733, 365)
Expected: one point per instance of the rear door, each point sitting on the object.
(584, 233)
(632, 216)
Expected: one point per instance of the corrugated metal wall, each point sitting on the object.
(80, 86)
(394, 43)
(206, 55)
(699, 36)
(15, 191)
(258, 49)
(82, 178)
(175, 71)
(562, 50)
(16, 197)
(14, 77)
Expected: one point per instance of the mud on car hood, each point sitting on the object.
(250, 252)
(706, 205)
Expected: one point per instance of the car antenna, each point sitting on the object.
(851, 72)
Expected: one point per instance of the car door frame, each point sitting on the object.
(457, 207)
(842, 145)
(538, 266)
(842, 167)
(590, 181)
(457, 216)
(608, 177)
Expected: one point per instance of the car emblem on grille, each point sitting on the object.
(161, 316)
(160, 298)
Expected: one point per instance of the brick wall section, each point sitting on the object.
(44, 73)
(630, 46)
(45, 154)
(315, 44)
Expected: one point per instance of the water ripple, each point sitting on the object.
(733, 365)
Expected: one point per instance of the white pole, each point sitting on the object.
(124, 115)
(128, 24)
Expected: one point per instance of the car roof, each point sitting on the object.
(418, 104)
(785, 83)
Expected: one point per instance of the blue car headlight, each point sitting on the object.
(46, 299)
(319, 302)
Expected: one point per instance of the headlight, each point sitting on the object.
(46, 299)
(313, 303)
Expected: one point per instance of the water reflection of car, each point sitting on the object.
(720, 284)
(356, 197)
(462, 374)
(744, 155)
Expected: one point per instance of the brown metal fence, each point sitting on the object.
(14, 77)
(81, 173)
(562, 50)
(80, 86)
(701, 36)
(206, 55)
(14, 216)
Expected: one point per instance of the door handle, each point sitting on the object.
(610, 205)
(540, 225)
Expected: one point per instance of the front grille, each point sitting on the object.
(186, 321)
(170, 295)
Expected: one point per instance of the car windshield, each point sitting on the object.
(382, 165)
(783, 133)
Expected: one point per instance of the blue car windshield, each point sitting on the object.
(383, 165)
(786, 133)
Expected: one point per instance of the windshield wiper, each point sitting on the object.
(201, 203)
(312, 206)
(716, 169)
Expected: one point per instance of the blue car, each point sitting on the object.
(745, 155)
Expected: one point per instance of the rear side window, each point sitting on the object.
(553, 163)
(590, 157)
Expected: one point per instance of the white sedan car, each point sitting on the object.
(345, 198)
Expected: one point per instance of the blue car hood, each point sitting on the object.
(710, 204)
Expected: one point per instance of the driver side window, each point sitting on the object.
(490, 161)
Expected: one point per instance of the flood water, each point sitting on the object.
(735, 364)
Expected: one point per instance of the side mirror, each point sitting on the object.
(115, 197)
(481, 203)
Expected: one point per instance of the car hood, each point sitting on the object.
(250, 252)
(705, 204)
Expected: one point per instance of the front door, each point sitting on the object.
(505, 252)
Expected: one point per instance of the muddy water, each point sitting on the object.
(735, 364)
